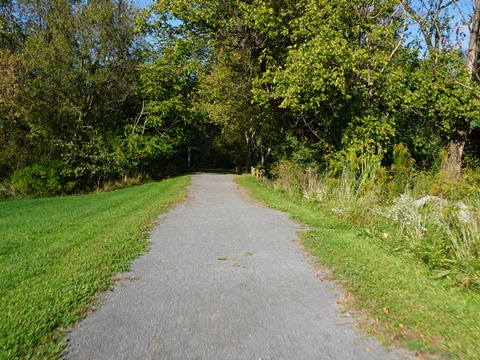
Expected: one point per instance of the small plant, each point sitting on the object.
(407, 214)
(402, 169)
(460, 231)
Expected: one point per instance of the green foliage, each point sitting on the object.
(11, 34)
(102, 158)
(58, 254)
(171, 121)
(336, 88)
(447, 98)
(14, 146)
(370, 133)
(233, 46)
(402, 168)
(68, 84)
(329, 79)
(169, 83)
(403, 296)
(112, 91)
(442, 233)
(41, 180)
(79, 72)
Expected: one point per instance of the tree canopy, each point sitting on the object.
(98, 91)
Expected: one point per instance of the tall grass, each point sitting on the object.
(398, 298)
(414, 213)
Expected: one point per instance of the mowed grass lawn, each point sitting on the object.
(56, 254)
(405, 304)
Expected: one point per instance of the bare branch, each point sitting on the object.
(139, 116)
(399, 43)
(462, 14)
(421, 21)
(443, 7)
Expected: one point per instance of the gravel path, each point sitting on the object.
(224, 279)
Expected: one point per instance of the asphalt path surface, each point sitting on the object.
(225, 279)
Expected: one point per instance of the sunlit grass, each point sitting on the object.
(405, 302)
(56, 254)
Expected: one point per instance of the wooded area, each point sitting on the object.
(94, 92)
(360, 118)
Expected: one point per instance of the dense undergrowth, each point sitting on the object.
(418, 288)
(426, 215)
(57, 254)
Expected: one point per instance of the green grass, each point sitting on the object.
(57, 254)
(404, 303)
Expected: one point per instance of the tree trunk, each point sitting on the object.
(472, 56)
(456, 147)
(249, 137)
(428, 29)
(454, 161)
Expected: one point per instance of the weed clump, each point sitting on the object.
(429, 216)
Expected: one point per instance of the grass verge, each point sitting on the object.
(404, 303)
(57, 254)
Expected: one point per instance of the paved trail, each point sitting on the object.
(224, 280)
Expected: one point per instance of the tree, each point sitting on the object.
(334, 72)
(318, 77)
(473, 42)
(14, 145)
(434, 19)
(226, 95)
(82, 63)
(11, 32)
(234, 46)
(169, 86)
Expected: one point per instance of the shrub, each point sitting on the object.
(7, 191)
(41, 180)
(402, 168)
(444, 234)
(422, 214)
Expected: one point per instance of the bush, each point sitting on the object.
(402, 169)
(421, 214)
(7, 191)
(41, 180)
